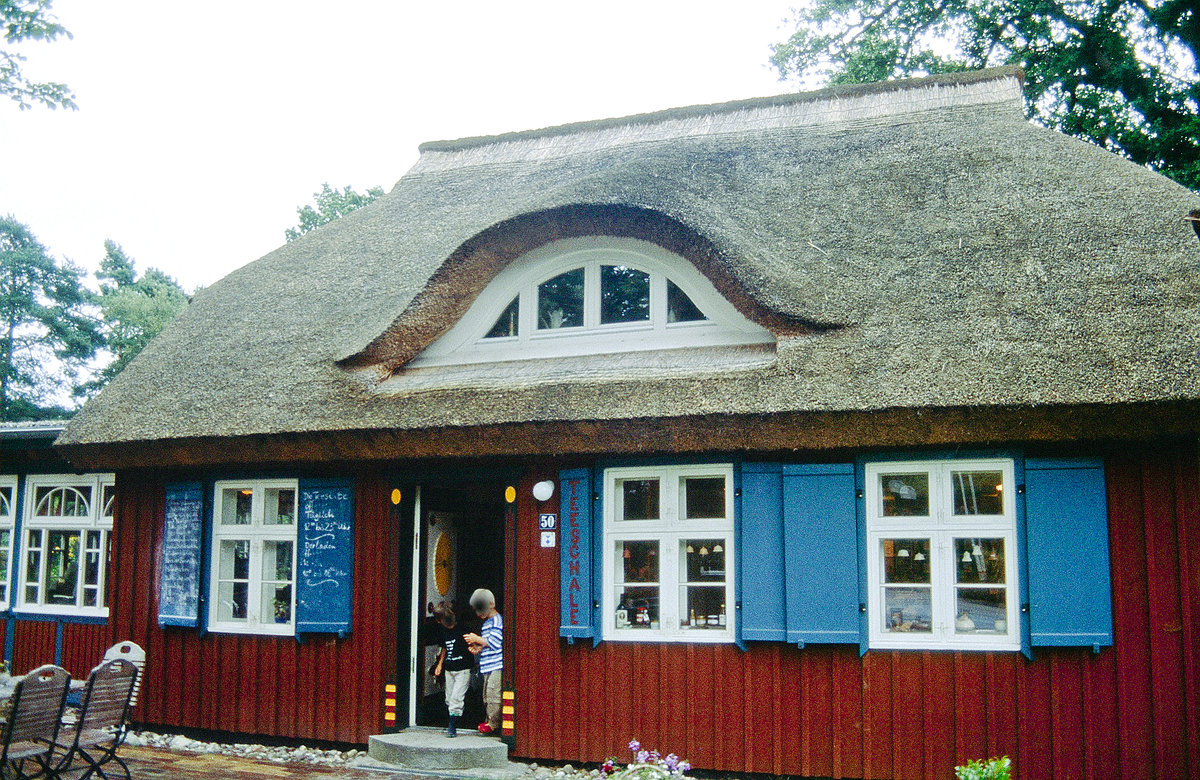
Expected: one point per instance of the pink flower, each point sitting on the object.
(634, 745)
(642, 756)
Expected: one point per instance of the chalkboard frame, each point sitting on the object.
(183, 504)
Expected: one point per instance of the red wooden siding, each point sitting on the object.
(1129, 712)
(322, 688)
(33, 644)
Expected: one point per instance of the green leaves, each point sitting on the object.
(331, 204)
(29, 20)
(46, 329)
(132, 310)
(1119, 73)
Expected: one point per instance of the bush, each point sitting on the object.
(990, 769)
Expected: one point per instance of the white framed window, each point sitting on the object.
(942, 554)
(668, 554)
(66, 539)
(252, 586)
(594, 295)
(8, 521)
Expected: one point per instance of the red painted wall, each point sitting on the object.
(1129, 712)
(323, 688)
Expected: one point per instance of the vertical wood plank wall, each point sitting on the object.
(1129, 712)
(322, 688)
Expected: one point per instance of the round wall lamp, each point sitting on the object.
(543, 490)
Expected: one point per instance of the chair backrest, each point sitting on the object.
(132, 652)
(37, 705)
(106, 697)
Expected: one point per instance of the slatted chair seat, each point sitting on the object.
(31, 725)
(99, 730)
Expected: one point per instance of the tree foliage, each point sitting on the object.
(331, 203)
(29, 20)
(46, 330)
(133, 309)
(1120, 73)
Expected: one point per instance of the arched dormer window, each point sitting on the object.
(592, 296)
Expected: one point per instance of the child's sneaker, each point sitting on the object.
(485, 728)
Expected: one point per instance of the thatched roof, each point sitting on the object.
(916, 245)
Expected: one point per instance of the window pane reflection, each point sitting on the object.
(507, 323)
(639, 499)
(908, 610)
(705, 497)
(904, 495)
(680, 307)
(981, 611)
(560, 301)
(979, 560)
(905, 560)
(978, 492)
(624, 294)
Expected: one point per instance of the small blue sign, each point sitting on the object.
(548, 522)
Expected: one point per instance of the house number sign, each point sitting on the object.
(548, 524)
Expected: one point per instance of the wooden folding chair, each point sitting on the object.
(132, 652)
(100, 728)
(32, 725)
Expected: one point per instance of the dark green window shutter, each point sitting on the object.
(578, 582)
(1067, 561)
(821, 551)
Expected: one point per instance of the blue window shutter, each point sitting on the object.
(1067, 563)
(325, 556)
(760, 542)
(179, 581)
(821, 554)
(577, 592)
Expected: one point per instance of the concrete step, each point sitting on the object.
(431, 749)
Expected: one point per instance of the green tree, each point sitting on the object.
(1119, 73)
(29, 20)
(47, 332)
(331, 203)
(133, 309)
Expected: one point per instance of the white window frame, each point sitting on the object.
(467, 341)
(256, 533)
(671, 530)
(942, 527)
(98, 519)
(8, 522)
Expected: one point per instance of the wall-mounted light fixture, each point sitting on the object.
(543, 490)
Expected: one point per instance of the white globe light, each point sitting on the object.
(543, 490)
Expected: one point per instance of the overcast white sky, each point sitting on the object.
(202, 126)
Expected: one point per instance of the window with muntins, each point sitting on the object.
(8, 518)
(253, 560)
(668, 554)
(594, 295)
(942, 554)
(67, 536)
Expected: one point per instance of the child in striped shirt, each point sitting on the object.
(490, 649)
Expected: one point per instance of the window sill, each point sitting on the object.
(956, 645)
(682, 638)
(256, 629)
(65, 614)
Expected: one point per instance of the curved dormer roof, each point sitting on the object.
(911, 245)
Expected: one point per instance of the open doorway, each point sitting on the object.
(461, 548)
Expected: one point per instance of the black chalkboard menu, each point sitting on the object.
(179, 591)
(325, 556)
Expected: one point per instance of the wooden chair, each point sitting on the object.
(132, 652)
(32, 724)
(100, 727)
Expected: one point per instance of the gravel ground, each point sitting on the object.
(307, 755)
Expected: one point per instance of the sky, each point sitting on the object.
(203, 126)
